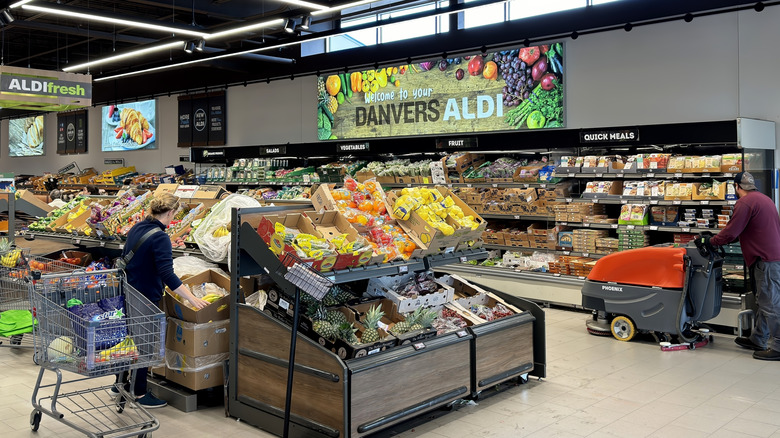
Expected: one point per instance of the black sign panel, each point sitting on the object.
(217, 123)
(208, 155)
(610, 136)
(61, 134)
(273, 150)
(202, 120)
(120, 161)
(460, 143)
(352, 147)
(70, 134)
(185, 122)
(81, 132)
(68, 168)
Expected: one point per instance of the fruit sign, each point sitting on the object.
(519, 88)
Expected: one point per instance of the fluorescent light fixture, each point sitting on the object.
(244, 29)
(19, 3)
(143, 25)
(338, 8)
(125, 55)
(289, 25)
(304, 4)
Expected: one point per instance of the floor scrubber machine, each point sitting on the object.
(661, 290)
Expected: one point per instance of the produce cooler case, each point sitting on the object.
(335, 397)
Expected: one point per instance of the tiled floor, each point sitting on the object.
(596, 387)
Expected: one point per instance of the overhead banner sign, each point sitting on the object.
(210, 155)
(352, 147)
(610, 136)
(202, 119)
(43, 90)
(518, 88)
(460, 143)
(273, 150)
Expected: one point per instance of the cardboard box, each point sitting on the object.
(721, 195)
(391, 318)
(197, 380)
(295, 223)
(433, 241)
(27, 196)
(388, 286)
(165, 188)
(333, 224)
(322, 199)
(216, 311)
(193, 339)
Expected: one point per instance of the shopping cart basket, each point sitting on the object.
(15, 268)
(94, 324)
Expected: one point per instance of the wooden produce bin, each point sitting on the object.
(502, 350)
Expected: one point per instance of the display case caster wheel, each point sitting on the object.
(522, 379)
(35, 420)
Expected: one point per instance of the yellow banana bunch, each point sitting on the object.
(221, 232)
(212, 297)
(124, 348)
(11, 259)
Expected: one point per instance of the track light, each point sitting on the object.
(6, 18)
(306, 22)
(200, 44)
(289, 25)
(189, 46)
(759, 7)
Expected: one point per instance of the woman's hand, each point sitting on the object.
(197, 302)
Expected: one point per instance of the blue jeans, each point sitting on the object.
(766, 330)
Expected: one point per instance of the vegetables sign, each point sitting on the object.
(518, 88)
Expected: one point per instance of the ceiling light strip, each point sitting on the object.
(242, 29)
(340, 7)
(74, 14)
(125, 55)
(304, 4)
(19, 3)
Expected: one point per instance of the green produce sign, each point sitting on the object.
(519, 88)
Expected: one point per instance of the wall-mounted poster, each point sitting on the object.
(202, 119)
(517, 88)
(72, 132)
(129, 126)
(25, 136)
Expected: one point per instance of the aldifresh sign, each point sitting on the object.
(518, 88)
(44, 90)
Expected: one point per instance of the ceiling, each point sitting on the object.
(43, 40)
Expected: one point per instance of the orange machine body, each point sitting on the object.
(651, 266)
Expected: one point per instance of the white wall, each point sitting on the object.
(714, 68)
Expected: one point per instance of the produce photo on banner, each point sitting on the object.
(25, 136)
(129, 126)
(517, 88)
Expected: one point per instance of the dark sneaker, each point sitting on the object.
(768, 354)
(149, 401)
(745, 342)
(114, 390)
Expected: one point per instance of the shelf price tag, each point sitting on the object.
(403, 269)
(595, 200)
(599, 175)
(449, 186)
(653, 202)
(462, 333)
(102, 244)
(556, 275)
(77, 241)
(705, 175)
(121, 246)
(705, 202)
(739, 267)
(676, 202)
(284, 304)
(566, 252)
(563, 223)
(494, 185)
(651, 175)
(418, 346)
(586, 224)
(630, 227)
(728, 175)
(686, 229)
(569, 199)
(468, 185)
(653, 227)
(408, 185)
(678, 175)
(32, 236)
(464, 259)
(517, 216)
(585, 254)
(581, 277)
(543, 186)
(613, 226)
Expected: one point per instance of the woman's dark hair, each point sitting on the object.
(92, 190)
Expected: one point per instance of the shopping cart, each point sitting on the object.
(73, 335)
(15, 268)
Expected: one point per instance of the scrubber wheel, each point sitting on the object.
(598, 326)
(623, 329)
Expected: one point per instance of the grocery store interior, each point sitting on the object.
(427, 218)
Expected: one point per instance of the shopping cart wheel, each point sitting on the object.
(35, 420)
(36, 358)
(120, 405)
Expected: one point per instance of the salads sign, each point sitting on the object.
(517, 88)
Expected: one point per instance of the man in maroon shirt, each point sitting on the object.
(757, 225)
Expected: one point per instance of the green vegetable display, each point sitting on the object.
(548, 102)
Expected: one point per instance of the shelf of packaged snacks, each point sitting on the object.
(520, 217)
(332, 389)
(549, 251)
(648, 201)
(627, 175)
(640, 227)
(503, 185)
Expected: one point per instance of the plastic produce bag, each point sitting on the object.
(218, 248)
(258, 299)
(187, 265)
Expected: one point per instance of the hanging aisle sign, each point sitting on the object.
(518, 88)
(610, 136)
(43, 90)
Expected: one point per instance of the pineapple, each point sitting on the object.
(406, 325)
(343, 295)
(320, 86)
(371, 333)
(346, 332)
(324, 329)
(336, 318)
(5, 245)
(425, 320)
(333, 104)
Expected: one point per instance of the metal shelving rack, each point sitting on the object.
(328, 402)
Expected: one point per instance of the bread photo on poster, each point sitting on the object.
(25, 136)
(128, 126)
